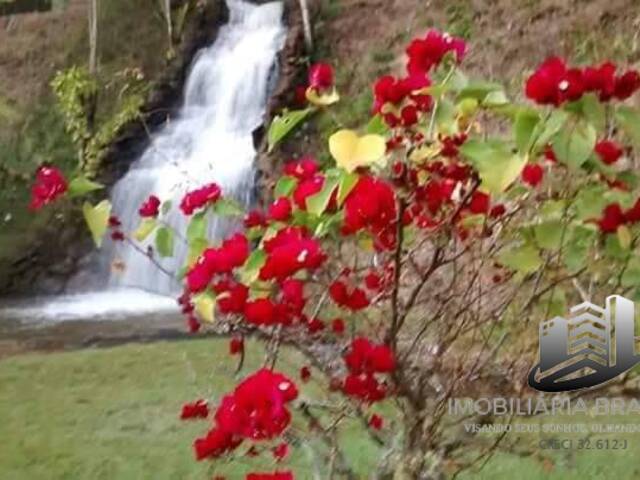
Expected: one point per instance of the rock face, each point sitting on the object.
(65, 248)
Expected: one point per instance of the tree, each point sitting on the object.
(412, 266)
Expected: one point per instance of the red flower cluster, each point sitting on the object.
(271, 476)
(354, 300)
(371, 205)
(289, 251)
(613, 217)
(393, 97)
(264, 312)
(150, 208)
(198, 409)
(232, 254)
(376, 422)
(199, 198)
(554, 83)
(49, 185)
(321, 76)
(426, 53)
(608, 151)
(256, 410)
(532, 174)
(364, 360)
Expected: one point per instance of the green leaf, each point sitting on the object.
(574, 143)
(197, 226)
(590, 202)
(376, 126)
(82, 185)
(614, 249)
(166, 206)
(285, 186)
(631, 274)
(525, 123)
(497, 165)
(164, 242)
(226, 207)
(552, 209)
(196, 247)
(576, 249)
(524, 259)
(548, 235)
(317, 204)
(544, 131)
(347, 182)
(624, 237)
(146, 227)
(479, 90)
(445, 116)
(496, 98)
(97, 218)
(594, 111)
(284, 124)
(251, 269)
(629, 120)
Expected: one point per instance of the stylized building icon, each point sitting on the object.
(590, 347)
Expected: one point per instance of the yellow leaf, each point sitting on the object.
(425, 152)
(97, 219)
(205, 305)
(147, 225)
(624, 236)
(351, 151)
(323, 100)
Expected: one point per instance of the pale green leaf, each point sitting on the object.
(164, 242)
(97, 218)
(82, 185)
(282, 125)
(317, 204)
(146, 227)
(524, 259)
(574, 143)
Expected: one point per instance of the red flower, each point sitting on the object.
(479, 203)
(627, 84)
(49, 185)
(373, 281)
(532, 174)
(117, 236)
(254, 219)
(314, 326)
(193, 324)
(337, 325)
(376, 422)
(216, 443)
(367, 357)
(497, 211)
(271, 476)
(280, 210)
(633, 214)
(199, 198)
(365, 387)
(608, 151)
(305, 189)
(260, 312)
(289, 251)
(232, 254)
(426, 53)
(553, 83)
(114, 222)
(232, 296)
(354, 300)
(305, 374)
(293, 295)
(409, 115)
(150, 208)
(600, 80)
(257, 408)
(371, 205)
(280, 451)
(236, 345)
(302, 169)
(612, 218)
(321, 76)
(198, 409)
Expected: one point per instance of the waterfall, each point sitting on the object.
(210, 140)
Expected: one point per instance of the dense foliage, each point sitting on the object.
(400, 264)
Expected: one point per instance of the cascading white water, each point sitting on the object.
(209, 141)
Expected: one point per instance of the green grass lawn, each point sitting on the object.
(113, 414)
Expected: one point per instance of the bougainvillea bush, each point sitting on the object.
(413, 264)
